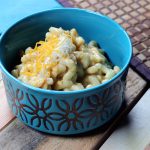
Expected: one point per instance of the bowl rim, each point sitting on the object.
(76, 91)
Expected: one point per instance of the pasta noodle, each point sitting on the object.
(64, 62)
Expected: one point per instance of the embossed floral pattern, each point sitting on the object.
(63, 115)
(40, 113)
(103, 106)
(15, 98)
(69, 116)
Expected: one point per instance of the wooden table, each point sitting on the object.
(133, 132)
(15, 135)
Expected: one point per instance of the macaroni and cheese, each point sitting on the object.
(64, 62)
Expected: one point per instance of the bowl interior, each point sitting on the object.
(111, 37)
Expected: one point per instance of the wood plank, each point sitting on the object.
(0, 76)
(5, 112)
(19, 137)
(132, 132)
(25, 137)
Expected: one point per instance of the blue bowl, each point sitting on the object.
(60, 112)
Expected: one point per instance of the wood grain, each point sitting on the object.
(21, 137)
(5, 112)
(133, 132)
(0, 76)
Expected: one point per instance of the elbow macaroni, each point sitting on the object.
(64, 62)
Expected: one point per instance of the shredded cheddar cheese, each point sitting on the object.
(57, 43)
(63, 61)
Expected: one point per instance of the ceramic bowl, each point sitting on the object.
(60, 112)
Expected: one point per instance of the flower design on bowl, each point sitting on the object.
(58, 115)
(15, 98)
(103, 106)
(70, 116)
(40, 113)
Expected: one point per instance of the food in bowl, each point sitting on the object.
(64, 62)
(62, 112)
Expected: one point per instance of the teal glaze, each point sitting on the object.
(60, 112)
